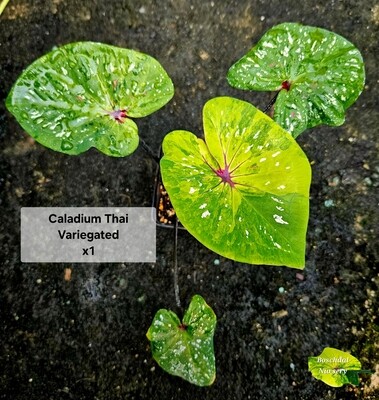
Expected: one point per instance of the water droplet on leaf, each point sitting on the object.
(66, 145)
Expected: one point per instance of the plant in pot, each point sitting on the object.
(243, 192)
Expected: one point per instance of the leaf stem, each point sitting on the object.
(148, 150)
(365, 371)
(176, 269)
(271, 103)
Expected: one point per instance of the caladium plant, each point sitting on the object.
(84, 95)
(185, 348)
(318, 74)
(336, 368)
(244, 191)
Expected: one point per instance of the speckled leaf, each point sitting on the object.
(185, 348)
(243, 192)
(81, 95)
(335, 367)
(319, 74)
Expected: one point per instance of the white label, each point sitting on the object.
(88, 234)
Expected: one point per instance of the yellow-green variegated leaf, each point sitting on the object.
(185, 348)
(335, 367)
(244, 191)
(83, 95)
(319, 75)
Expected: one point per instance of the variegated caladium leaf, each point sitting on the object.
(185, 348)
(335, 367)
(319, 75)
(244, 192)
(84, 95)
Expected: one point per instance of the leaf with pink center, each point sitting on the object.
(84, 95)
(318, 74)
(185, 348)
(244, 191)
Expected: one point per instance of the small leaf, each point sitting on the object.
(243, 192)
(185, 348)
(335, 367)
(319, 74)
(83, 95)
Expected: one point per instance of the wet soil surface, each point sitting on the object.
(83, 337)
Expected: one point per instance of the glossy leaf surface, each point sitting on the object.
(81, 95)
(319, 74)
(243, 192)
(335, 367)
(185, 348)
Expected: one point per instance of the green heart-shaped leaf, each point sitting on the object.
(319, 74)
(243, 192)
(335, 367)
(81, 95)
(185, 348)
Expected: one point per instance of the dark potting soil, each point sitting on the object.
(83, 336)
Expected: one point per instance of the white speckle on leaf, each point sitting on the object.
(261, 54)
(268, 44)
(277, 245)
(277, 200)
(281, 187)
(35, 114)
(181, 349)
(131, 67)
(279, 219)
(248, 148)
(205, 214)
(276, 154)
(256, 136)
(192, 190)
(263, 159)
(203, 206)
(286, 51)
